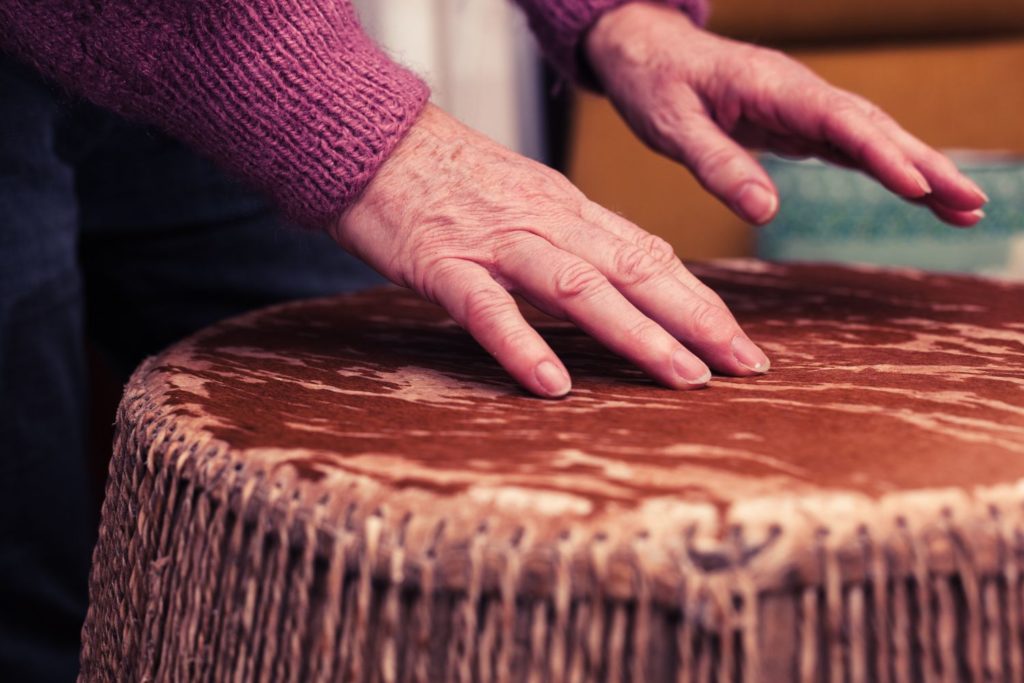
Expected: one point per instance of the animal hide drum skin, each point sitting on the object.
(349, 489)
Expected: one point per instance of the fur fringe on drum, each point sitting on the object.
(208, 569)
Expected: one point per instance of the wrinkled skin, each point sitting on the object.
(700, 98)
(463, 221)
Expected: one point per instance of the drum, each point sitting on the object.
(349, 489)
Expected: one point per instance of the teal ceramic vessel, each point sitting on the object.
(837, 215)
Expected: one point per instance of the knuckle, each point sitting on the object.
(784, 65)
(842, 109)
(662, 123)
(941, 162)
(864, 105)
(482, 307)
(772, 68)
(764, 58)
(633, 266)
(659, 249)
(710, 322)
(505, 244)
(875, 113)
(572, 232)
(714, 161)
(742, 56)
(427, 274)
(559, 181)
(575, 280)
(595, 214)
(842, 124)
(514, 342)
(436, 245)
(644, 334)
(769, 54)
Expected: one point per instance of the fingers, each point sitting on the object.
(878, 145)
(491, 316)
(953, 199)
(854, 134)
(561, 281)
(747, 354)
(949, 186)
(725, 169)
(790, 147)
(647, 271)
(960, 219)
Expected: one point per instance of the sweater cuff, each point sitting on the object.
(291, 95)
(561, 25)
(298, 100)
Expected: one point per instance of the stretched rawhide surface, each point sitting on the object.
(351, 490)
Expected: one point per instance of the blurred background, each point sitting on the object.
(952, 71)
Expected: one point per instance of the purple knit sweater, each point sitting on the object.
(289, 94)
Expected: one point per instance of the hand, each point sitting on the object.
(699, 99)
(463, 222)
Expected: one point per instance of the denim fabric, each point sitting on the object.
(116, 234)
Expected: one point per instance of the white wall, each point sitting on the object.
(477, 56)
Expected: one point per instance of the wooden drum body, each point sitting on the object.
(350, 489)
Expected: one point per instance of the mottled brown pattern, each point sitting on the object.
(857, 514)
(881, 382)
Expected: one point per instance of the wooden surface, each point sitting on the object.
(836, 22)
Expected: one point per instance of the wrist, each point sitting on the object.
(628, 35)
(431, 143)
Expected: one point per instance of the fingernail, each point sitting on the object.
(553, 379)
(977, 189)
(980, 213)
(690, 368)
(748, 355)
(920, 180)
(757, 202)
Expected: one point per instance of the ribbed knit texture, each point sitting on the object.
(560, 25)
(289, 94)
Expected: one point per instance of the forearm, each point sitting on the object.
(289, 94)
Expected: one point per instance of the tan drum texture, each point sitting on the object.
(349, 489)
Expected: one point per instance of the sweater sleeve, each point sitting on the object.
(290, 95)
(560, 26)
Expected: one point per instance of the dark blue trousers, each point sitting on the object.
(112, 234)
